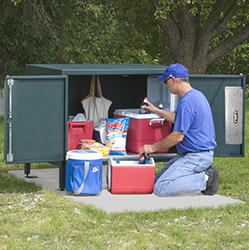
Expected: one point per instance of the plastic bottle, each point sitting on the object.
(160, 105)
(143, 159)
(143, 110)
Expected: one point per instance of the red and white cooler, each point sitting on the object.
(130, 177)
(143, 129)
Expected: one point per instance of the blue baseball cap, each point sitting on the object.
(174, 70)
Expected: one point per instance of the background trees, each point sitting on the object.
(31, 32)
(200, 32)
(206, 36)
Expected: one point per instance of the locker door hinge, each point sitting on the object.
(10, 83)
(10, 157)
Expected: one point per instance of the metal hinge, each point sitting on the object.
(10, 83)
(10, 157)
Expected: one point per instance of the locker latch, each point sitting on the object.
(235, 116)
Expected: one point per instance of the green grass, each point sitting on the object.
(34, 218)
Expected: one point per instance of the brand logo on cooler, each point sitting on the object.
(95, 170)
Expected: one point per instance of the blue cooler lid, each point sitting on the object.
(84, 155)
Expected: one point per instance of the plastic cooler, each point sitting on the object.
(77, 131)
(130, 177)
(143, 129)
(83, 172)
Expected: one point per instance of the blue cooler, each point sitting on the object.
(83, 172)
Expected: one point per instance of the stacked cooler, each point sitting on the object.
(143, 129)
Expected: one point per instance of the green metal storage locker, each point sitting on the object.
(38, 106)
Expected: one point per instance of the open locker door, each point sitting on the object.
(226, 95)
(35, 119)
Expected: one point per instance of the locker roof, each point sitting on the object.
(94, 69)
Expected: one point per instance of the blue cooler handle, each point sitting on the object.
(86, 169)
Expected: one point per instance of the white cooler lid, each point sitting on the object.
(84, 155)
(134, 113)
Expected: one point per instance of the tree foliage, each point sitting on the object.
(31, 31)
(71, 31)
(196, 33)
(112, 32)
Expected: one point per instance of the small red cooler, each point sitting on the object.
(77, 131)
(130, 177)
(143, 129)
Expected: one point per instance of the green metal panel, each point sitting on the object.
(94, 69)
(35, 119)
(126, 85)
(41, 69)
(213, 87)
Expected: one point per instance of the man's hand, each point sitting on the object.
(171, 140)
(152, 108)
(169, 116)
(146, 149)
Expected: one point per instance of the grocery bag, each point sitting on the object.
(96, 107)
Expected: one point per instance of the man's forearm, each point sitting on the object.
(169, 116)
(169, 141)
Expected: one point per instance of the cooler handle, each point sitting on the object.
(156, 122)
(86, 169)
(73, 125)
(109, 173)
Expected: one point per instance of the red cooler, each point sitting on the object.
(143, 129)
(130, 177)
(77, 131)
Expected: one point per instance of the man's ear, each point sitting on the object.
(174, 80)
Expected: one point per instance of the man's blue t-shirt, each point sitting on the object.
(194, 118)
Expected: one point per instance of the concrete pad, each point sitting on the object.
(49, 179)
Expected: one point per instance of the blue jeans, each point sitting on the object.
(183, 174)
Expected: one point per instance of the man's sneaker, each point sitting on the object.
(212, 182)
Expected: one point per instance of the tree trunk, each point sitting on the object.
(190, 42)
